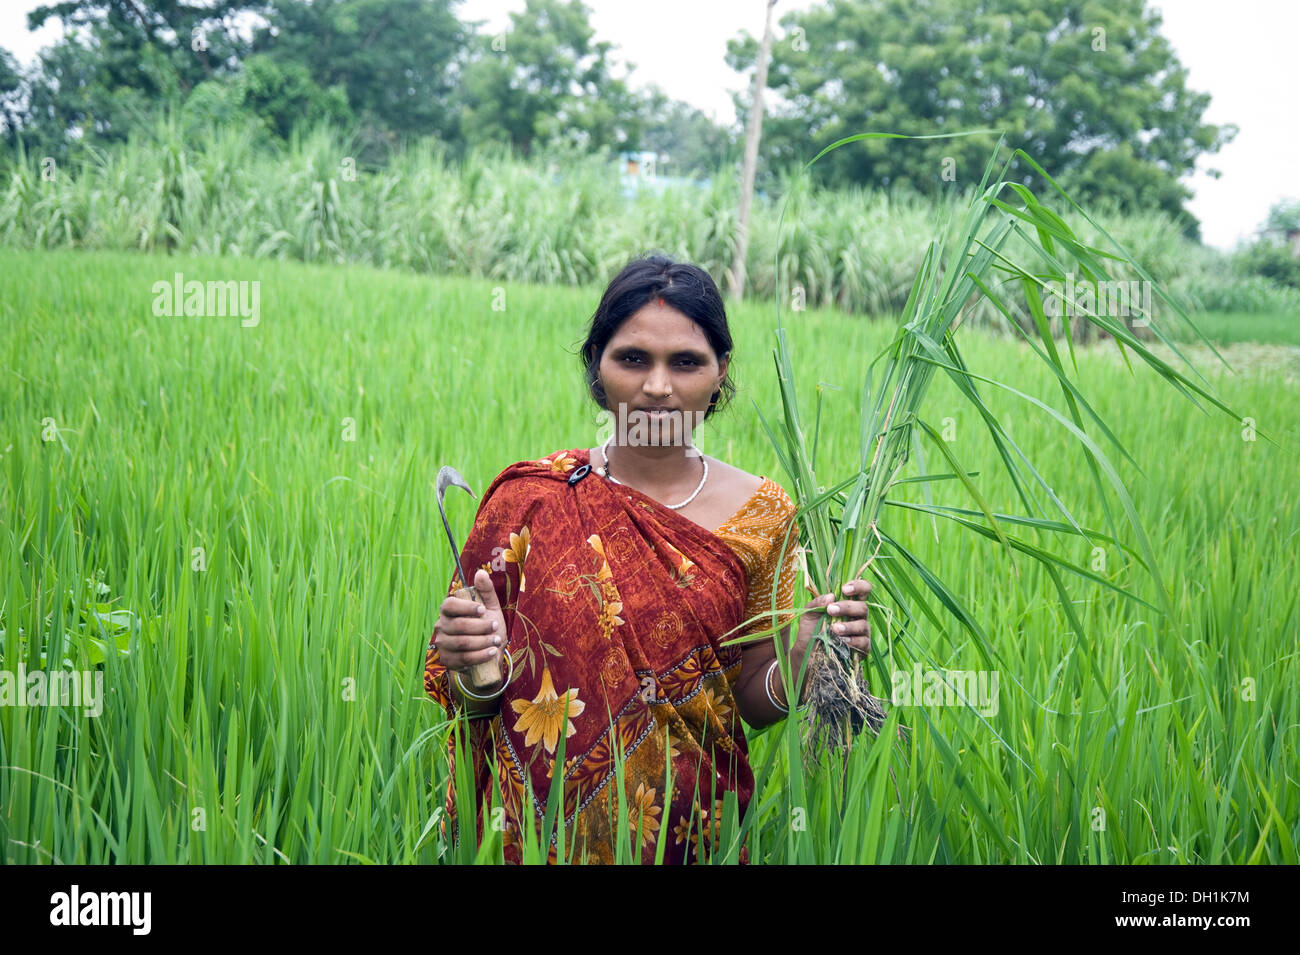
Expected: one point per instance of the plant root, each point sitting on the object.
(839, 704)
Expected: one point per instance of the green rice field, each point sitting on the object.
(236, 523)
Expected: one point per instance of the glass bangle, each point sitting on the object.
(767, 686)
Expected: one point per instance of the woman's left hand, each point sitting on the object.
(848, 618)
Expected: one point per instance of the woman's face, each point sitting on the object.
(660, 358)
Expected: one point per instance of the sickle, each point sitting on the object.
(450, 477)
(484, 677)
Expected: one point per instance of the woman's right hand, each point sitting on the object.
(468, 633)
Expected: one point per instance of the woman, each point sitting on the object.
(610, 579)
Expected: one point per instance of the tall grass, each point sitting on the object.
(279, 689)
(560, 218)
(1004, 230)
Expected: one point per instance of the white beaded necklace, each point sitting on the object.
(605, 470)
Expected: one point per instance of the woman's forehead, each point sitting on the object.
(663, 329)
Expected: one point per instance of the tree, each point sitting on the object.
(11, 96)
(1068, 82)
(387, 61)
(1274, 254)
(1130, 182)
(395, 58)
(695, 144)
(120, 61)
(544, 80)
(1283, 218)
(198, 39)
(78, 92)
(284, 96)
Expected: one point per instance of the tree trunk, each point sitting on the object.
(736, 277)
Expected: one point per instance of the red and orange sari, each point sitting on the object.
(615, 608)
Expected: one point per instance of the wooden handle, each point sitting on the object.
(483, 678)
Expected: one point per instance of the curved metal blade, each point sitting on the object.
(450, 477)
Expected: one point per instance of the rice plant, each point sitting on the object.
(842, 517)
(270, 709)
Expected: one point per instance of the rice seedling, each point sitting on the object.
(841, 518)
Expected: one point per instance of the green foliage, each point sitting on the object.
(1273, 260)
(285, 96)
(1118, 177)
(1227, 291)
(85, 630)
(847, 533)
(389, 59)
(11, 82)
(545, 80)
(81, 95)
(119, 61)
(1062, 91)
(559, 218)
(394, 70)
(694, 144)
(1283, 217)
(283, 699)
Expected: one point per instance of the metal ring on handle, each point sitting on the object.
(474, 696)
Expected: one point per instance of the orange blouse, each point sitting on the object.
(756, 533)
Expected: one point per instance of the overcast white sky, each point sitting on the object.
(1242, 53)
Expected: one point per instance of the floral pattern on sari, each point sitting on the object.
(616, 643)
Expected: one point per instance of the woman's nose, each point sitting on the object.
(657, 383)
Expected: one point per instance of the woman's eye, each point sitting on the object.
(683, 361)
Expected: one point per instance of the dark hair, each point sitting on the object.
(687, 288)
